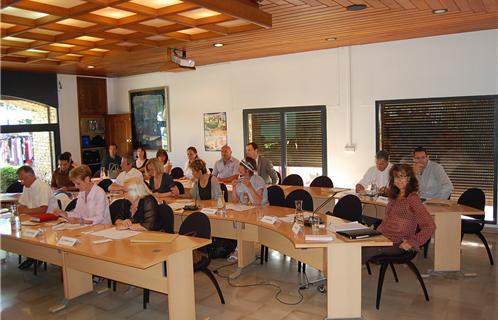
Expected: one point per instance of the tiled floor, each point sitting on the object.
(25, 296)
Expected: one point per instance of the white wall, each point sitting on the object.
(454, 65)
(68, 115)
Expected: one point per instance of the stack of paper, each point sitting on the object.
(318, 237)
(68, 226)
(113, 233)
(347, 226)
(176, 206)
(209, 210)
(238, 207)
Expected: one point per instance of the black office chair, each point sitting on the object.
(197, 225)
(118, 208)
(180, 187)
(293, 180)
(177, 173)
(323, 182)
(71, 205)
(348, 208)
(404, 258)
(276, 196)
(291, 198)
(279, 177)
(105, 184)
(475, 198)
(15, 187)
(166, 219)
(223, 188)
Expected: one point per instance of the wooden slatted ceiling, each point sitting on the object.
(125, 37)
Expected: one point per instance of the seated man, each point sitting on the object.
(36, 198)
(377, 175)
(433, 180)
(60, 177)
(227, 168)
(111, 159)
(127, 173)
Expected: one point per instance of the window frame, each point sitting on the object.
(378, 129)
(283, 150)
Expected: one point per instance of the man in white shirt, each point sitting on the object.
(227, 168)
(377, 175)
(128, 172)
(36, 198)
(432, 179)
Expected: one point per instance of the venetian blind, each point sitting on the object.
(304, 133)
(264, 130)
(457, 132)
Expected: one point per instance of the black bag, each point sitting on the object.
(221, 248)
(90, 157)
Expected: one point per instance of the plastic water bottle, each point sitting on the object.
(15, 221)
(221, 205)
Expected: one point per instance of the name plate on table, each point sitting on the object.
(67, 241)
(209, 210)
(269, 219)
(296, 228)
(30, 233)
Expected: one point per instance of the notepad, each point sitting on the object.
(154, 237)
(113, 233)
(319, 237)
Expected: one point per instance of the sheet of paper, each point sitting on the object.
(318, 237)
(209, 210)
(68, 226)
(113, 233)
(347, 226)
(238, 207)
(176, 205)
(287, 219)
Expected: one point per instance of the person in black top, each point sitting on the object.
(141, 160)
(206, 186)
(160, 183)
(143, 213)
(112, 159)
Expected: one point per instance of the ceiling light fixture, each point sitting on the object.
(218, 45)
(356, 7)
(90, 67)
(439, 11)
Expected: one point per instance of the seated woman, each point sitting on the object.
(250, 188)
(163, 158)
(141, 160)
(405, 214)
(191, 156)
(92, 206)
(161, 184)
(206, 186)
(143, 214)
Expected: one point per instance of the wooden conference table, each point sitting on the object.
(339, 259)
(161, 267)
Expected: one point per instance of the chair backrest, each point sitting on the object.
(62, 200)
(71, 205)
(276, 196)
(293, 180)
(15, 187)
(223, 188)
(166, 219)
(323, 182)
(177, 173)
(197, 225)
(475, 198)
(348, 208)
(300, 194)
(180, 187)
(118, 208)
(279, 177)
(105, 184)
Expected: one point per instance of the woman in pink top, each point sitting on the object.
(407, 223)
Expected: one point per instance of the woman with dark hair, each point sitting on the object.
(162, 156)
(191, 156)
(407, 223)
(141, 159)
(206, 186)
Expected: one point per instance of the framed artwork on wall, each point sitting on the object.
(215, 131)
(150, 118)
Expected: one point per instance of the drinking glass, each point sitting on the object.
(299, 217)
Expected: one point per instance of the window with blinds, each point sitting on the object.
(293, 138)
(458, 133)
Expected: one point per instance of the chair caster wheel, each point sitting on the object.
(321, 289)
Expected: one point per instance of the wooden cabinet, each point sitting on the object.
(119, 132)
(92, 96)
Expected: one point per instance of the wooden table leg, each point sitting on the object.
(76, 283)
(181, 294)
(344, 281)
(447, 242)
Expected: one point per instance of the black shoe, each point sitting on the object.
(26, 264)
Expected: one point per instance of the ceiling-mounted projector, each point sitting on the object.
(180, 58)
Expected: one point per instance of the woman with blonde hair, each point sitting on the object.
(161, 184)
(143, 214)
(92, 206)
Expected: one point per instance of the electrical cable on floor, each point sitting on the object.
(262, 283)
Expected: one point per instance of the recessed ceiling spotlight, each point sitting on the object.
(90, 67)
(218, 45)
(439, 11)
(331, 39)
(356, 7)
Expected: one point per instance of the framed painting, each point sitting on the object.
(215, 131)
(150, 118)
